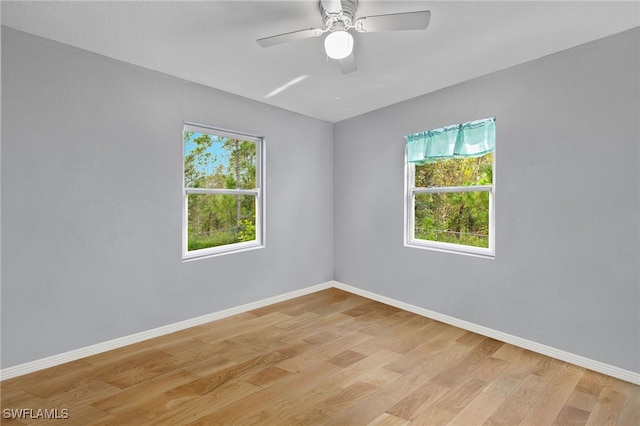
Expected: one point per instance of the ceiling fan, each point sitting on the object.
(339, 17)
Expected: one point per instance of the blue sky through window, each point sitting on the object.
(219, 156)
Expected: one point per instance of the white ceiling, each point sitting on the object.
(214, 43)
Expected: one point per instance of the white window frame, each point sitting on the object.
(409, 207)
(257, 192)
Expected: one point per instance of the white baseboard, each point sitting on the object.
(73, 355)
(578, 360)
(76, 354)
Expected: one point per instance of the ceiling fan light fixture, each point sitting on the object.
(338, 44)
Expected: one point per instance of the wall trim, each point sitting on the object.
(76, 354)
(52, 361)
(600, 367)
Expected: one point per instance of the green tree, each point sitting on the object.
(241, 174)
(456, 217)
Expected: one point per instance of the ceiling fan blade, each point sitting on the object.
(394, 22)
(287, 37)
(332, 6)
(348, 64)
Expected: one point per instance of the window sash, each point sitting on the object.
(223, 133)
(226, 248)
(442, 189)
(412, 191)
(223, 191)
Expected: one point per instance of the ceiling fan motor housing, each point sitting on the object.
(341, 20)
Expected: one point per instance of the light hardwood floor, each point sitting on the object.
(326, 358)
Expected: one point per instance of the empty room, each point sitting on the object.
(348, 212)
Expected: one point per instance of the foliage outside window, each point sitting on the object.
(222, 191)
(450, 198)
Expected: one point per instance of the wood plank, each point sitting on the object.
(423, 397)
(630, 414)
(571, 416)
(478, 410)
(520, 396)
(375, 405)
(388, 420)
(127, 416)
(246, 408)
(610, 403)
(322, 352)
(458, 398)
(433, 364)
(286, 411)
(144, 391)
(179, 406)
(47, 382)
(435, 416)
(355, 371)
(489, 369)
(352, 394)
(553, 398)
(137, 368)
(586, 392)
(346, 358)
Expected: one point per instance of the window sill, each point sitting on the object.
(451, 248)
(221, 251)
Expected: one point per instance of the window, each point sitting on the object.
(223, 194)
(450, 188)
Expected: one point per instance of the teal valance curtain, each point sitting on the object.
(470, 139)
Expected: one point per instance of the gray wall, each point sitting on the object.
(91, 200)
(567, 202)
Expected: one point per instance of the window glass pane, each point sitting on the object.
(217, 162)
(456, 172)
(219, 219)
(454, 217)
